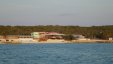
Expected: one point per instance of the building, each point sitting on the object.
(10, 39)
(47, 36)
(110, 38)
(35, 35)
(54, 37)
(80, 37)
(38, 34)
(2, 40)
(17, 39)
(25, 39)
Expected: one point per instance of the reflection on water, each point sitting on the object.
(56, 54)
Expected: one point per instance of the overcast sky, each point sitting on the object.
(56, 12)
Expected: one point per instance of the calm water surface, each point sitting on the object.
(56, 54)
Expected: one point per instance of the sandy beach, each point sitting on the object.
(92, 41)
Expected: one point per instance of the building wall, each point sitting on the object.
(11, 40)
(16, 39)
(26, 40)
(2, 40)
(1, 37)
(38, 34)
(110, 38)
(35, 35)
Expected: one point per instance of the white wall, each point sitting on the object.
(26, 40)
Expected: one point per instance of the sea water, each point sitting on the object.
(56, 54)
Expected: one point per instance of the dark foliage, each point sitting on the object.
(101, 32)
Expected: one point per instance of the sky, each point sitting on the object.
(56, 12)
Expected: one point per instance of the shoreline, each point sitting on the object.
(67, 42)
(93, 41)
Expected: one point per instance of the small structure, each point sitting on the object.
(46, 36)
(25, 39)
(2, 40)
(35, 35)
(11, 39)
(54, 37)
(38, 34)
(80, 37)
(110, 38)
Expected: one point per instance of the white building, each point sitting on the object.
(38, 34)
(35, 35)
(110, 38)
(26, 39)
(47, 36)
(80, 37)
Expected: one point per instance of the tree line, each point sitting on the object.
(101, 32)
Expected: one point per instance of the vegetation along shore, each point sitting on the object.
(57, 33)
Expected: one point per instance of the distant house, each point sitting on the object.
(45, 36)
(38, 34)
(110, 38)
(80, 37)
(35, 35)
(2, 40)
(54, 35)
(11, 39)
(16, 39)
(25, 39)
